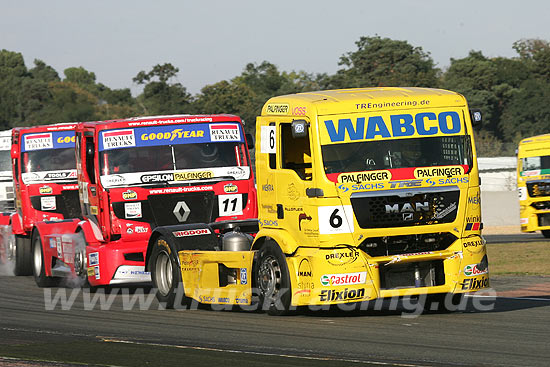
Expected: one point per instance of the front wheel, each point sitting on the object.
(38, 264)
(166, 274)
(23, 256)
(546, 233)
(272, 280)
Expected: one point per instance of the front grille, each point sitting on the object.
(407, 244)
(538, 188)
(412, 275)
(407, 207)
(67, 204)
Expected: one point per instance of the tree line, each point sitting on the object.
(513, 93)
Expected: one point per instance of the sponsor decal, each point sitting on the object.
(474, 243)
(361, 187)
(449, 171)
(177, 190)
(305, 274)
(230, 188)
(93, 210)
(47, 203)
(327, 295)
(401, 125)
(475, 199)
(140, 229)
(130, 230)
(38, 141)
(197, 175)
(119, 139)
(132, 210)
(301, 217)
(475, 283)
(368, 176)
(292, 192)
(59, 248)
(442, 213)
(299, 111)
(223, 300)
(342, 257)
(344, 279)
(244, 276)
(45, 190)
(522, 193)
(230, 204)
(405, 184)
(333, 219)
(472, 270)
(91, 272)
(413, 207)
(473, 226)
(60, 175)
(303, 292)
(189, 262)
(268, 223)
(278, 108)
(191, 232)
(112, 180)
(129, 195)
(240, 301)
(304, 269)
(5, 143)
(268, 187)
(207, 299)
(93, 258)
(225, 132)
(270, 208)
(157, 177)
(524, 221)
(96, 272)
(372, 105)
(238, 173)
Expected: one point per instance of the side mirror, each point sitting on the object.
(14, 151)
(475, 115)
(299, 128)
(249, 141)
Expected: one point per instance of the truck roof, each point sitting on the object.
(534, 146)
(44, 128)
(366, 99)
(159, 120)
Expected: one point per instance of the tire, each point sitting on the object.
(23, 256)
(546, 233)
(444, 302)
(272, 280)
(38, 264)
(166, 275)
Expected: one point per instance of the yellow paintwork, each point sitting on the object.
(315, 252)
(535, 146)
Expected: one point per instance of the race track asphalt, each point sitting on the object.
(513, 330)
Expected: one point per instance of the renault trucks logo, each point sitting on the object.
(38, 141)
(181, 211)
(119, 139)
(225, 132)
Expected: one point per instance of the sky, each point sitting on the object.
(213, 40)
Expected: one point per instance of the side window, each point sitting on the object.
(296, 153)
(90, 163)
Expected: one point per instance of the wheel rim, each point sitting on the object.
(11, 248)
(37, 257)
(269, 277)
(163, 273)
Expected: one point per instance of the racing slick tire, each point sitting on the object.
(272, 280)
(546, 233)
(23, 256)
(40, 277)
(166, 275)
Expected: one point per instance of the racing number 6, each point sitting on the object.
(335, 220)
(272, 139)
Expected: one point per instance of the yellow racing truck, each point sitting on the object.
(362, 194)
(533, 175)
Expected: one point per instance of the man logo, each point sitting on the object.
(407, 216)
(181, 216)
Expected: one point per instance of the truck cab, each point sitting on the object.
(362, 194)
(44, 177)
(141, 174)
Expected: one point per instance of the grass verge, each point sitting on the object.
(532, 258)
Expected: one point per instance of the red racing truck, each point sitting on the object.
(44, 176)
(139, 174)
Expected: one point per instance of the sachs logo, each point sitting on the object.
(129, 195)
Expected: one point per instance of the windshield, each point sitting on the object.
(538, 164)
(396, 153)
(172, 157)
(5, 160)
(49, 160)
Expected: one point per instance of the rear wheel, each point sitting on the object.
(166, 274)
(23, 256)
(38, 264)
(273, 280)
(546, 233)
